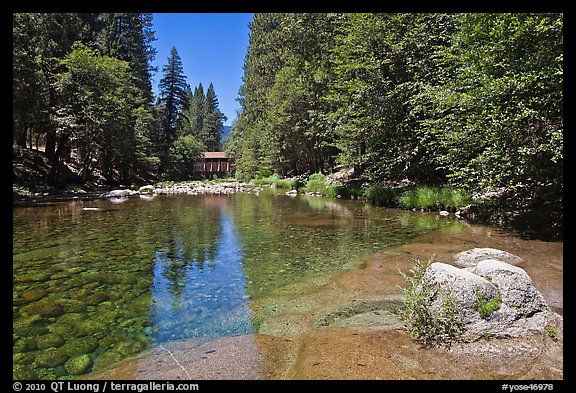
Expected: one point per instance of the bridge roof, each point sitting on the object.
(214, 154)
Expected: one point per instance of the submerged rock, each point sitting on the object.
(49, 340)
(71, 305)
(78, 364)
(44, 307)
(106, 359)
(24, 372)
(31, 325)
(80, 346)
(33, 294)
(51, 357)
(129, 347)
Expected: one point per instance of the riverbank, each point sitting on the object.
(34, 180)
(335, 326)
(486, 208)
(22, 195)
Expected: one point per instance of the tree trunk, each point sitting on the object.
(51, 145)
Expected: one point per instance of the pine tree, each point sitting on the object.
(214, 119)
(195, 113)
(172, 99)
(129, 37)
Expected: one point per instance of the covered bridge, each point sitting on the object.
(213, 162)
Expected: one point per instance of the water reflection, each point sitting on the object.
(203, 295)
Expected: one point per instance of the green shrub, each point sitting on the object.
(382, 196)
(276, 181)
(434, 198)
(486, 306)
(551, 332)
(452, 199)
(265, 172)
(317, 183)
(427, 326)
(419, 198)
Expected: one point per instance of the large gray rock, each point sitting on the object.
(122, 193)
(523, 310)
(470, 258)
(148, 189)
(460, 284)
(514, 285)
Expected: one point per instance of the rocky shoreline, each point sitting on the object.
(122, 193)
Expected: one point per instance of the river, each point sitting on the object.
(113, 289)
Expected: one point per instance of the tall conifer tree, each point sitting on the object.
(171, 99)
(214, 119)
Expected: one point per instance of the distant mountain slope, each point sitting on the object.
(226, 133)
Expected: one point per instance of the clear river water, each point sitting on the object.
(96, 282)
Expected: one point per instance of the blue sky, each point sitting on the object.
(212, 48)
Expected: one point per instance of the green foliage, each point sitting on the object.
(317, 183)
(452, 198)
(184, 152)
(98, 110)
(434, 198)
(82, 84)
(428, 327)
(382, 195)
(505, 101)
(474, 101)
(276, 181)
(420, 198)
(471, 100)
(202, 118)
(172, 99)
(551, 332)
(264, 173)
(486, 306)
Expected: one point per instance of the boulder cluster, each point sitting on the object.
(495, 298)
(189, 188)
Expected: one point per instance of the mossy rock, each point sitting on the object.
(23, 358)
(51, 357)
(31, 325)
(49, 340)
(72, 305)
(130, 347)
(24, 372)
(25, 344)
(78, 365)
(107, 359)
(33, 277)
(33, 294)
(74, 318)
(112, 338)
(65, 329)
(45, 307)
(96, 298)
(93, 328)
(107, 316)
(80, 346)
(67, 325)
